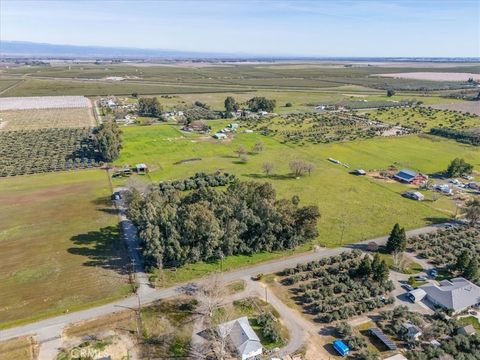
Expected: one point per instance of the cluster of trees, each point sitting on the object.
(397, 241)
(108, 138)
(466, 137)
(377, 269)
(261, 103)
(355, 341)
(339, 287)
(46, 150)
(231, 105)
(207, 224)
(270, 329)
(197, 181)
(456, 249)
(467, 265)
(301, 167)
(149, 107)
(196, 112)
(458, 167)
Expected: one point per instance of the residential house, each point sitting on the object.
(410, 177)
(413, 332)
(457, 294)
(242, 337)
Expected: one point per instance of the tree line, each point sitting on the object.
(207, 224)
(108, 138)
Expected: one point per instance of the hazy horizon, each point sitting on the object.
(261, 28)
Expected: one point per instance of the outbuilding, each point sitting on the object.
(141, 168)
(220, 136)
(341, 347)
(414, 195)
(416, 295)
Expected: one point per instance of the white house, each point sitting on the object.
(457, 294)
(242, 336)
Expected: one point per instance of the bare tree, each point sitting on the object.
(258, 147)
(268, 168)
(211, 295)
(241, 151)
(398, 260)
(472, 211)
(244, 158)
(301, 167)
(297, 168)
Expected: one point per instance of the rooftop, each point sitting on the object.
(456, 294)
(241, 334)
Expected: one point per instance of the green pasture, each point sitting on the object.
(60, 248)
(353, 208)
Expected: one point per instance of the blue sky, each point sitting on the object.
(298, 28)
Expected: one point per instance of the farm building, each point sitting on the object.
(416, 295)
(457, 294)
(410, 177)
(341, 347)
(141, 168)
(383, 338)
(360, 172)
(242, 336)
(220, 136)
(415, 195)
(413, 332)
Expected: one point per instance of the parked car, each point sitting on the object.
(433, 273)
(420, 278)
(116, 196)
(408, 287)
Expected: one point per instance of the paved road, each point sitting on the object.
(51, 328)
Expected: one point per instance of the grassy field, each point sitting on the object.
(352, 208)
(46, 118)
(59, 245)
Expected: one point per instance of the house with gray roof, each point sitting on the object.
(457, 294)
(242, 337)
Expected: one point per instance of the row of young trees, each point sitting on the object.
(466, 137)
(207, 224)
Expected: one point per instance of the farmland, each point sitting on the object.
(370, 206)
(46, 118)
(60, 246)
(423, 118)
(44, 134)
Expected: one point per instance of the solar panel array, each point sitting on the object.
(383, 338)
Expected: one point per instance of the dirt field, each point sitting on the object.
(473, 107)
(433, 76)
(46, 118)
(59, 245)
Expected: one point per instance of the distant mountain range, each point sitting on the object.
(25, 49)
(43, 50)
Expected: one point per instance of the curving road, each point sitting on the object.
(51, 328)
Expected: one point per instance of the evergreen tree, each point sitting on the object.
(471, 270)
(397, 241)
(230, 104)
(108, 140)
(365, 267)
(380, 269)
(462, 260)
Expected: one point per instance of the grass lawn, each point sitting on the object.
(59, 245)
(352, 208)
(470, 320)
(410, 267)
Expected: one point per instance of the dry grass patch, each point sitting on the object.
(22, 348)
